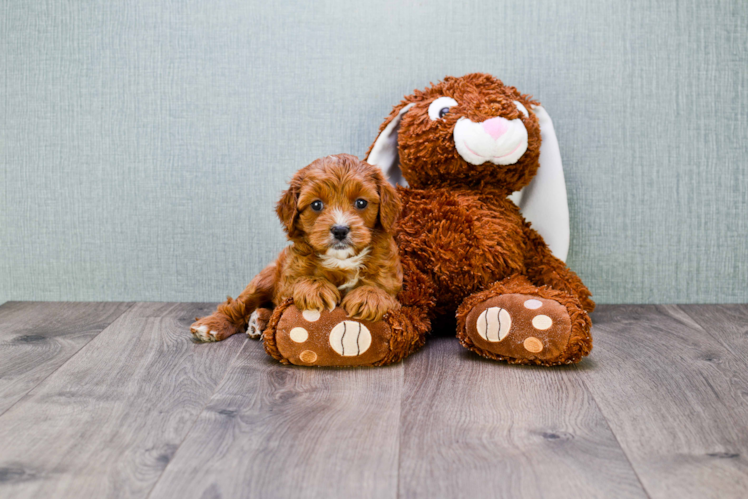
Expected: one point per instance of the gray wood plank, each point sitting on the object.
(280, 431)
(478, 428)
(36, 338)
(727, 323)
(107, 422)
(676, 399)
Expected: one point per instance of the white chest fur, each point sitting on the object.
(343, 260)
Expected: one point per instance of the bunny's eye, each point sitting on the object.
(440, 107)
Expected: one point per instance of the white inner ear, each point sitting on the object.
(384, 153)
(543, 202)
(522, 109)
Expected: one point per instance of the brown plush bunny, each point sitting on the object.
(464, 146)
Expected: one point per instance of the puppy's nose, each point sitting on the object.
(340, 232)
(496, 126)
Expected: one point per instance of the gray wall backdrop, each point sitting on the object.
(144, 144)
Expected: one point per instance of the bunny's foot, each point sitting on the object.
(520, 323)
(331, 338)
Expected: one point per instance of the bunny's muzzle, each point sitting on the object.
(497, 140)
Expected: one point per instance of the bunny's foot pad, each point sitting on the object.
(325, 338)
(526, 329)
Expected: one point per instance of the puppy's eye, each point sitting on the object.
(440, 107)
(317, 206)
(361, 203)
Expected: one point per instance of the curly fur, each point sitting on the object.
(362, 272)
(460, 239)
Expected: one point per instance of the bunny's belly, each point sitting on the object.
(462, 239)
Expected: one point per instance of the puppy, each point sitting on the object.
(339, 213)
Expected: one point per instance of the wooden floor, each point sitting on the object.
(115, 400)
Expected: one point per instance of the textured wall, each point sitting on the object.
(143, 144)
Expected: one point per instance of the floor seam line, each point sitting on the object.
(739, 355)
(615, 436)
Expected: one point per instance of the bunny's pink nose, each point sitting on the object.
(496, 126)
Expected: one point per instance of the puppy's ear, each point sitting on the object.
(389, 204)
(287, 207)
(287, 210)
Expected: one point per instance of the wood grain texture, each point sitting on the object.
(36, 338)
(107, 422)
(660, 408)
(676, 398)
(726, 323)
(477, 428)
(279, 431)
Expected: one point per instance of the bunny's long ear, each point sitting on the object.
(543, 202)
(383, 152)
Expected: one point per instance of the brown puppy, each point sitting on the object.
(339, 213)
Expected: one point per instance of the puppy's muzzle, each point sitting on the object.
(340, 232)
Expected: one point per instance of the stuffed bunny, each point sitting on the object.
(464, 151)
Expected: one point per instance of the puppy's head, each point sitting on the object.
(337, 204)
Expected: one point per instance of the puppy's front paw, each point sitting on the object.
(368, 303)
(316, 294)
